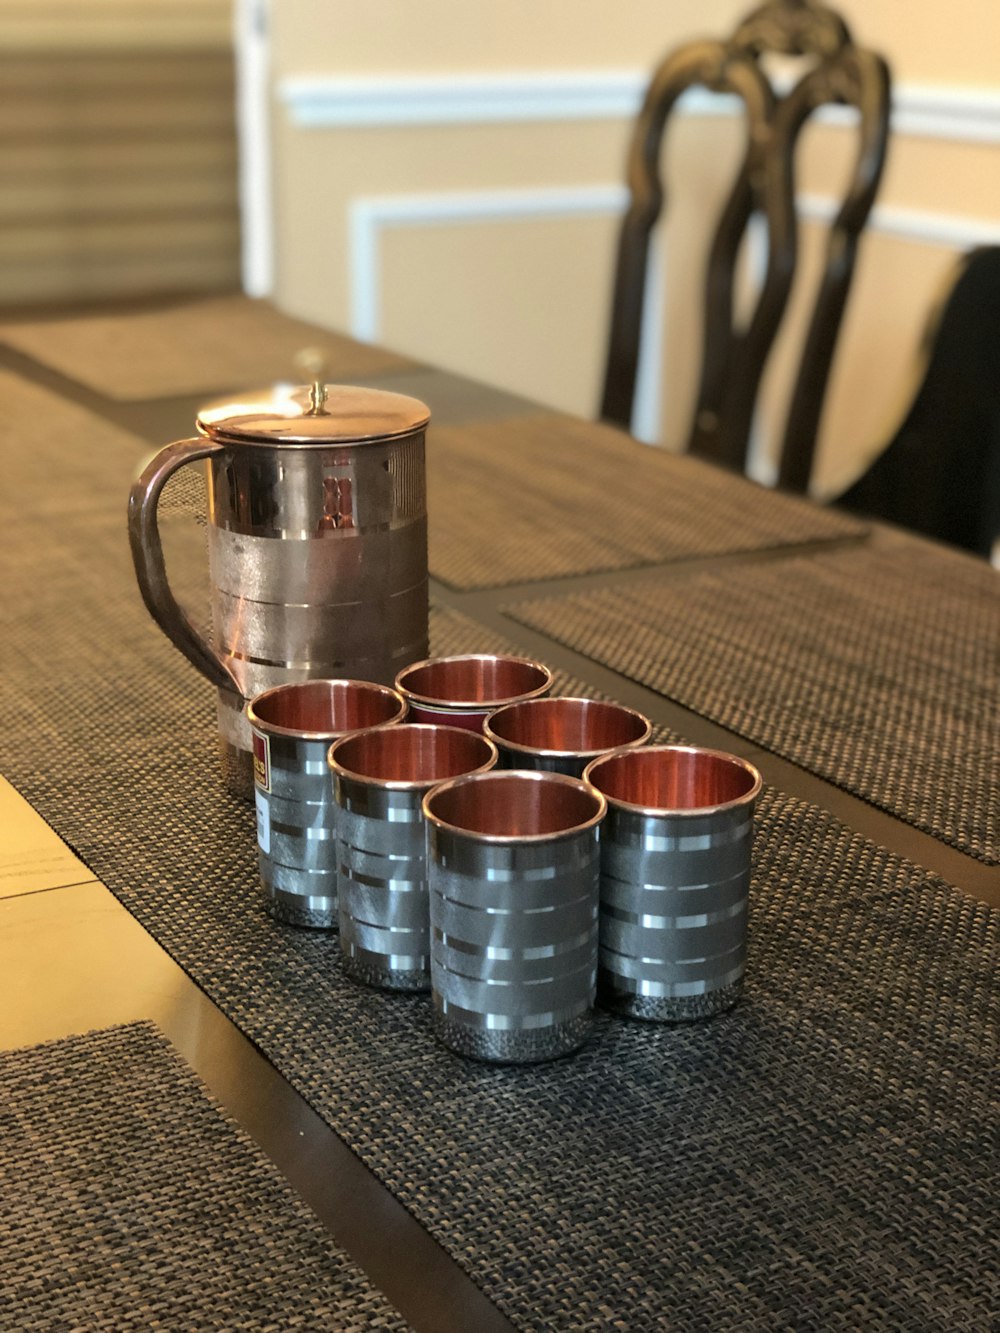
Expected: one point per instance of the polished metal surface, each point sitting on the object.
(379, 781)
(513, 868)
(325, 709)
(460, 691)
(293, 727)
(675, 875)
(314, 415)
(563, 735)
(317, 537)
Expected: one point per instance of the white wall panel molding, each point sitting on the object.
(328, 101)
(371, 215)
(251, 24)
(961, 113)
(955, 231)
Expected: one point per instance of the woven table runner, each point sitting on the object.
(820, 1157)
(130, 1201)
(876, 669)
(60, 461)
(210, 346)
(543, 496)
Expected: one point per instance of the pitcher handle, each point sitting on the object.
(150, 568)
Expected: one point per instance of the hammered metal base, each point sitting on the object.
(289, 914)
(237, 770)
(503, 1046)
(666, 1009)
(386, 978)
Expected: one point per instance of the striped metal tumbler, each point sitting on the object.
(675, 877)
(513, 868)
(379, 781)
(292, 729)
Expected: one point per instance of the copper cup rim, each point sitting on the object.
(553, 701)
(268, 728)
(409, 784)
(648, 754)
(515, 774)
(473, 705)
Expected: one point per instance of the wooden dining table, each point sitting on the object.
(202, 1117)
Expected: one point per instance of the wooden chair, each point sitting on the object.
(733, 359)
(940, 472)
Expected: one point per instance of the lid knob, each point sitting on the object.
(313, 366)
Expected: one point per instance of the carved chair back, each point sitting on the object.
(733, 359)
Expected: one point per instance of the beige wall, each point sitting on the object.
(927, 42)
(480, 267)
(442, 35)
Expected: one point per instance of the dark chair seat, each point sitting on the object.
(940, 472)
(733, 359)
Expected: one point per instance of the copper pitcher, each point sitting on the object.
(317, 536)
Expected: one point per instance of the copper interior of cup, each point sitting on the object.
(570, 726)
(472, 680)
(673, 779)
(515, 805)
(329, 707)
(413, 753)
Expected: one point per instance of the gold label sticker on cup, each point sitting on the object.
(261, 761)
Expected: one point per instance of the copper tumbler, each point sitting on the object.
(563, 735)
(292, 728)
(379, 781)
(675, 877)
(513, 868)
(461, 691)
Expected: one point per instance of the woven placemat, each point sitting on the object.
(488, 527)
(227, 342)
(821, 1157)
(130, 1201)
(543, 496)
(878, 669)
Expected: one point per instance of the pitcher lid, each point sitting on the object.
(314, 414)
